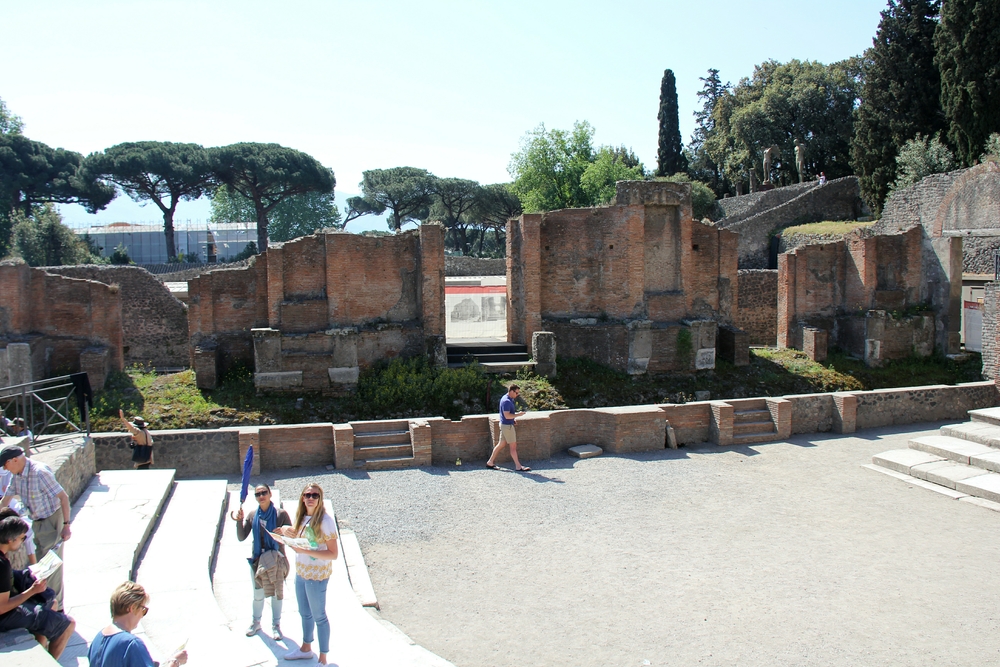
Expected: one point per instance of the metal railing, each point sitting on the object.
(45, 407)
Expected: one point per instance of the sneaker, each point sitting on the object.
(253, 629)
(276, 632)
(299, 654)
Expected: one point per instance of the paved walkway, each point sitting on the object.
(777, 554)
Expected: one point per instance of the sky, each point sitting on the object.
(449, 86)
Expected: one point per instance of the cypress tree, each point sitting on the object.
(968, 56)
(899, 96)
(669, 158)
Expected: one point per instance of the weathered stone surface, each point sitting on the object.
(585, 451)
(283, 380)
(983, 486)
(757, 305)
(947, 447)
(543, 351)
(348, 376)
(945, 473)
(19, 363)
(901, 460)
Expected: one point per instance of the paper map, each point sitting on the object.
(297, 542)
(44, 568)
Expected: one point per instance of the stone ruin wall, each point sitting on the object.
(991, 331)
(849, 289)
(618, 284)
(839, 199)
(319, 303)
(757, 306)
(155, 322)
(79, 328)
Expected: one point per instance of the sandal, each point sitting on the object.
(523, 469)
(491, 466)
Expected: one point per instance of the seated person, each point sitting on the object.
(24, 602)
(25, 555)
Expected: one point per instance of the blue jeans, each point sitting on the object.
(312, 608)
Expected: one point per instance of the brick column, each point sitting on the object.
(721, 428)
(524, 284)
(432, 279)
(421, 439)
(781, 415)
(275, 285)
(845, 412)
(343, 446)
(786, 298)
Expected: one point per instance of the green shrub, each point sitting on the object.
(409, 387)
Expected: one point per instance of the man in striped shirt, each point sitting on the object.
(46, 502)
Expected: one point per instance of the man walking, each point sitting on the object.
(46, 502)
(507, 435)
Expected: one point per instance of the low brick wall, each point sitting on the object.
(541, 435)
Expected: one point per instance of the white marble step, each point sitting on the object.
(948, 447)
(987, 415)
(901, 460)
(946, 473)
(981, 432)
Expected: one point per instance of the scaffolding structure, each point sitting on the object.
(147, 244)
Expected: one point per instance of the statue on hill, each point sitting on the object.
(771, 154)
(800, 159)
(753, 180)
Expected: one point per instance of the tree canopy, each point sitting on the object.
(701, 167)
(610, 165)
(548, 167)
(899, 95)
(967, 41)
(779, 104)
(268, 174)
(293, 217)
(161, 172)
(454, 200)
(41, 239)
(9, 122)
(669, 153)
(406, 192)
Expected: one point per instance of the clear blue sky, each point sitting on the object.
(445, 85)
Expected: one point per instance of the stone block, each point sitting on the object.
(704, 359)
(585, 451)
(19, 363)
(206, 366)
(845, 412)
(640, 346)
(543, 351)
(94, 361)
(266, 350)
(344, 376)
(815, 342)
(671, 437)
(4, 368)
(734, 346)
(343, 446)
(901, 460)
(280, 381)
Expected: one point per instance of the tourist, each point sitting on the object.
(25, 603)
(822, 178)
(142, 441)
(268, 565)
(507, 434)
(24, 555)
(20, 429)
(313, 568)
(42, 497)
(115, 645)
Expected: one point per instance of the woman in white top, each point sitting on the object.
(313, 568)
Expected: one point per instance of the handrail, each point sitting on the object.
(45, 407)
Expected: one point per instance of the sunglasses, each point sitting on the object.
(314, 496)
(145, 610)
(260, 494)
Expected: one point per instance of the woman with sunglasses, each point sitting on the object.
(115, 645)
(266, 517)
(313, 568)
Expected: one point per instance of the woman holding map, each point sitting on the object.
(313, 568)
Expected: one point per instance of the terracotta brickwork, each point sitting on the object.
(590, 274)
(337, 301)
(843, 288)
(60, 318)
(757, 307)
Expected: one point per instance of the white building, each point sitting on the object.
(146, 243)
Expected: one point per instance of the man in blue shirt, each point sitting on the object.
(507, 435)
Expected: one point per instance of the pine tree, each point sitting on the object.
(899, 97)
(669, 156)
(968, 57)
(700, 164)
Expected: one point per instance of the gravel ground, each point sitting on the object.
(778, 554)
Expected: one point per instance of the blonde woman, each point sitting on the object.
(313, 568)
(115, 645)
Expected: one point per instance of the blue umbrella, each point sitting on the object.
(247, 467)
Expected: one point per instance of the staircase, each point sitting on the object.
(495, 357)
(752, 422)
(382, 445)
(963, 461)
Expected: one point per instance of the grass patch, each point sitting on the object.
(410, 388)
(827, 227)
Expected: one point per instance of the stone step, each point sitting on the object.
(982, 432)
(378, 452)
(756, 415)
(380, 426)
(743, 404)
(983, 486)
(901, 460)
(508, 357)
(949, 447)
(754, 428)
(505, 367)
(381, 438)
(357, 570)
(387, 464)
(176, 572)
(986, 415)
(754, 438)
(946, 473)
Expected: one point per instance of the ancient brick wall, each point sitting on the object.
(839, 199)
(757, 307)
(991, 330)
(155, 322)
(60, 317)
